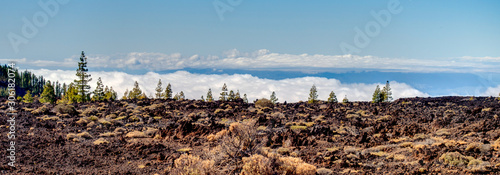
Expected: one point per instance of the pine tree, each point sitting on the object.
(345, 100)
(245, 99)
(83, 79)
(114, 95)
(387, 92)
(158, 90)
(231, 96)
(48, 94)
(210, 98)
(273, 98)
(110, 94)
(313, 95)
(98, 92)
(168, 92)
(181, 96)
(332, 98)
(238, 94)
(142, 96)
(223, 94)
(28, 98)
(136, 92)
(378, 96)
(64, 89)
(125, 95)
(176, 97)
(71, 95)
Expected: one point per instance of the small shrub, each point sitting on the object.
(65, 109)
(283, 151)
(93, 118)
(189, 164)
(136, 134)
(293, 165)
(297, 128)
(217, 136)
(107, 134)
(84, 135)
(82, 121)
(90, 111)
(100, 141)
(455, 159)
(41, 110)
(264, 103)
(256, 164)
(478, 147)
(119, 130)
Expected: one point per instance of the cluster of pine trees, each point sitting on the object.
(382, 95)
(332, 98)
(75, 92)
(25, 81)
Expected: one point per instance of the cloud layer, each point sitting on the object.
(264, 59)
(196, 85)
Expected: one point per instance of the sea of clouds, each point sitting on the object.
(196, 85)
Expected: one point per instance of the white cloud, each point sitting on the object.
(264, 59)
(492, 91)
(196, 85)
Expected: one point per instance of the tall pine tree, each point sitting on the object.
(158, 89)
(377, 96)
(223, 94)
(99, 91)
(168, 92)
(83, 79)
(313, 95)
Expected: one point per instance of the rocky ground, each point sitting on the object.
(447, 135)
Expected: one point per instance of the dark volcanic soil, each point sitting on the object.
(448, 135)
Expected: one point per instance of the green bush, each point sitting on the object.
(264, 103)
(65, 109)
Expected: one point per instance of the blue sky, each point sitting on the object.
(424, 37)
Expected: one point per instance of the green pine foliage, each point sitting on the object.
(223, 94)
(159, 90)
(345, 100)
(28, 98)
(83, 79)
(332, 98)
(99, 91)
(232, 96)
(110, 94)
(168, 92)
(237, 94)
(210, 98)
(245, 99)
(273, 98)
(378, 96)
(182, 96)
(48, 94)
(136, 92)
(387, 92)
(313, 95)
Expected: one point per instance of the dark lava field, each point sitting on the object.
(445, 135)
